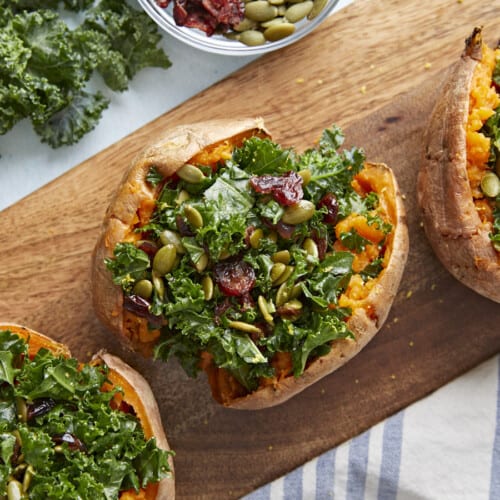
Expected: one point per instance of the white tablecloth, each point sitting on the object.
(446, 446)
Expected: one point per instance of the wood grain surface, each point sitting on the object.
(372, 68)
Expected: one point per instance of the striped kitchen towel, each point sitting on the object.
(445, 446)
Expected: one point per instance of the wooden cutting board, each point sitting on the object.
(372, 68)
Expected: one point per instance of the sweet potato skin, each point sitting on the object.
(365, 321)
(137, 392)
(451, 222)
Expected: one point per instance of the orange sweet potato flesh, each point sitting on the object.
(136, 393)
(457, 220)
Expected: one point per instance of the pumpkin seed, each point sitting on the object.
(22, 410)
(490, 185)
(311, 247)
(264, 309)
(281, 256)
(191, 174)
(272, 22)
(144, 288)
(299, 212)
(164, 259)
(171, 237)
(318, 6)
(182, 197)
(277, 270)
(298, 11)
(193, 216)
(293, 304)
(284, 276)
(201, 263)
(276, 2)
(208, 287)
(244, 327)
(282, 295)
(306, 176)
(27, 478)
(279, 31)
(260, 10)
(246, 24)
(158, 284)
(14, 490)
(255, 238)
(252, 38)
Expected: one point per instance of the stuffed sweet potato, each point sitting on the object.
(72, 430)
(458, 183)
(265, 268)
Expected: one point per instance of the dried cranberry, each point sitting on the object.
(286, 189)
(234, 277)
(140, 307)
(39, 407)
(183, 226)
(148, 247)
(329, 201)
(71, 440)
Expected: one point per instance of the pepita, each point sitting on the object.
(144, 288)
(277, 270)
(318, 6)
(182, 197)
(193, 216)
(279, 31)
(263, 306)
(14, 490)
(164, 259)
(298, 11)
(306, 176)
(311, 247)
(201, 263)
(255, 237)
(299, 212)
(260, 11)
(245, 327)
(284, 276)
(191, 174)
(252, 38)
(171, 237)
(245, 25)
(281, 256)
(158, 284)
(490, 185)
(208, 287)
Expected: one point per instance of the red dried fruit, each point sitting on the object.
(286, 189)
(329, 201)
(234, 277)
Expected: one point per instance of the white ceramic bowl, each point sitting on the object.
(219, 44)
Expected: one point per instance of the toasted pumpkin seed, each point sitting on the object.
(193, 216)
(164, 259)
(27, 478)
(14, 490)
(171, 237)
(281, 256)
(182, 197)
(311, 247)
(245, 25)
(298, 11)
(255, 237)
(252, 38)
(201, 263)
(22, 409)
(318, 6)
(260, 10)
(282, 295)
(279, 31)
(306, 176)
(244, 327)
(293, 304)
(264, 309)
(158, 284)
(284, 276)
(191, 174)
(144, 288)
(299, 212)
(208, 287)
(277, 270)
(295, 291)
(490, 185)
(272, 22)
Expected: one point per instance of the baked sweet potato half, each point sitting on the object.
(265, 268)
(458, 183)
(73, 430)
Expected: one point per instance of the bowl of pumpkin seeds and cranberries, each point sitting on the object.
(238, 27)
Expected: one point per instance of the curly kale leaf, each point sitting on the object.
(45, 66)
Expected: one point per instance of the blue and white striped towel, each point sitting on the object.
(445, 446)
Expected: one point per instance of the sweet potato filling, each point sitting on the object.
(483, 102)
